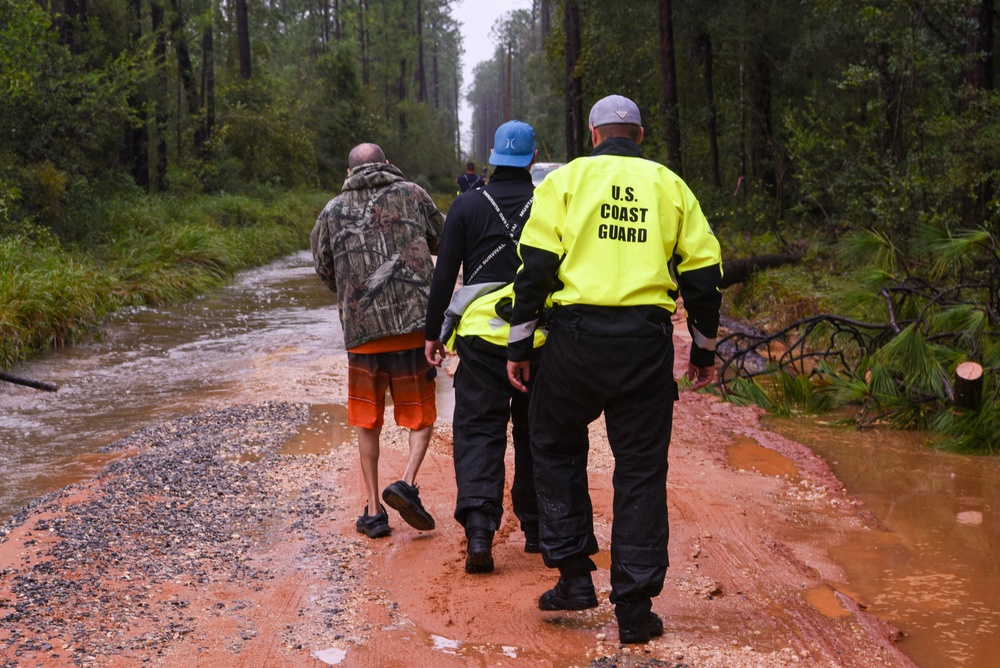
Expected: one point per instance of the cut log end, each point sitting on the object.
(969, 371)
(968, 385)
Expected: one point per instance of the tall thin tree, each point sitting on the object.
(573, 84)
(243, 38)
(421, 71)
(159, 180)
(136, 146)
(668, 78)
(703, 46)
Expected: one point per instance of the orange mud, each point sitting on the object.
(753, 516)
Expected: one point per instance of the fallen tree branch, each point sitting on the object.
(741, 269)
(28, 382)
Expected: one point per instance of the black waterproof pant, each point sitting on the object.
(618, 361)
(485, 402)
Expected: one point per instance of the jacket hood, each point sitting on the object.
(371, 176)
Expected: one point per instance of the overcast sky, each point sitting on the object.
(477, 18)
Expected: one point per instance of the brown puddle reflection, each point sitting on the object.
(76, 470)
(934, 573)
(825, 601)
(746, 454)
(326, 429)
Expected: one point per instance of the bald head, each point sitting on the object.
(362, 154)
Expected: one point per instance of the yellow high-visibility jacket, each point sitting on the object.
(612, 230)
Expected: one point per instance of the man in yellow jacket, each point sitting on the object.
(611, 239)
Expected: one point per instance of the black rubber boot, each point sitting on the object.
(637, 623)
(479, 555)
(570, 594)
(479, 551)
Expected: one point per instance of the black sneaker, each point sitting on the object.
(405, 499)
(570, 594)
(374, 526)
(640, 633)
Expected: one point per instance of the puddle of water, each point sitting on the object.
(326, 429)
(477, 653)
(825, 600)
(934, 572)
(746, 454)
(331, 657)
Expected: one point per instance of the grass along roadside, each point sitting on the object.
(142, 252)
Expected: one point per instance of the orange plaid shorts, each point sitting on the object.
(407, 376)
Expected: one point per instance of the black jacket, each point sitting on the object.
(472, 232)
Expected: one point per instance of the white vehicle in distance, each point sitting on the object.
(540, 169)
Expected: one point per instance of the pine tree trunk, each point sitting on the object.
(436, 77)
(185, 70)
(668, 75)
(243, 38)
(979, 74)
(574, 87)
(159, 181)
(363, 41)
(207, 84)
(136, 147)
(421, 74)
(704, 41)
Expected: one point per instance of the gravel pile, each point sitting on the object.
(198, 504)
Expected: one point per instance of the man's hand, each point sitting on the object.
(700, 376)
(435, 352)
(519, 373)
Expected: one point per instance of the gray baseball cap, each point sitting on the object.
(614, 109)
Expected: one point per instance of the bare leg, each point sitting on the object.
(419, 440)
(368, 447)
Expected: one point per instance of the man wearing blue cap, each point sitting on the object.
(480, 236)
(611, 240)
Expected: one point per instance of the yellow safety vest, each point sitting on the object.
(481, 318)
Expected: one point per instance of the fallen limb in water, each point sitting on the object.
(37, 384)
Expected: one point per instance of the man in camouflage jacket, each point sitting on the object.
(372, 244)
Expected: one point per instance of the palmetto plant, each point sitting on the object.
(925, 311)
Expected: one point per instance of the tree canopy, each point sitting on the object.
(865, 124)
(202, 96)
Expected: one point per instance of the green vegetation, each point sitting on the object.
(150, 251)
(150, 149)
(916, 317)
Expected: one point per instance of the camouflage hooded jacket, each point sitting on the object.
(372, 244)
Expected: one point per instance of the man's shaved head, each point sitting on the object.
(362, 154)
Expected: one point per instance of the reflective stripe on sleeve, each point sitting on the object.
(701, 340)
(523, 331)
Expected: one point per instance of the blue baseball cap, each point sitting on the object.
(513, 145)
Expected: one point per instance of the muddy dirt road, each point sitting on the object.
(227, 538)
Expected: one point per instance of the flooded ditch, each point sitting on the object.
(933, 571)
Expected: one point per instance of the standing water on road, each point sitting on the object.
(934, 572)
(266, 336)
